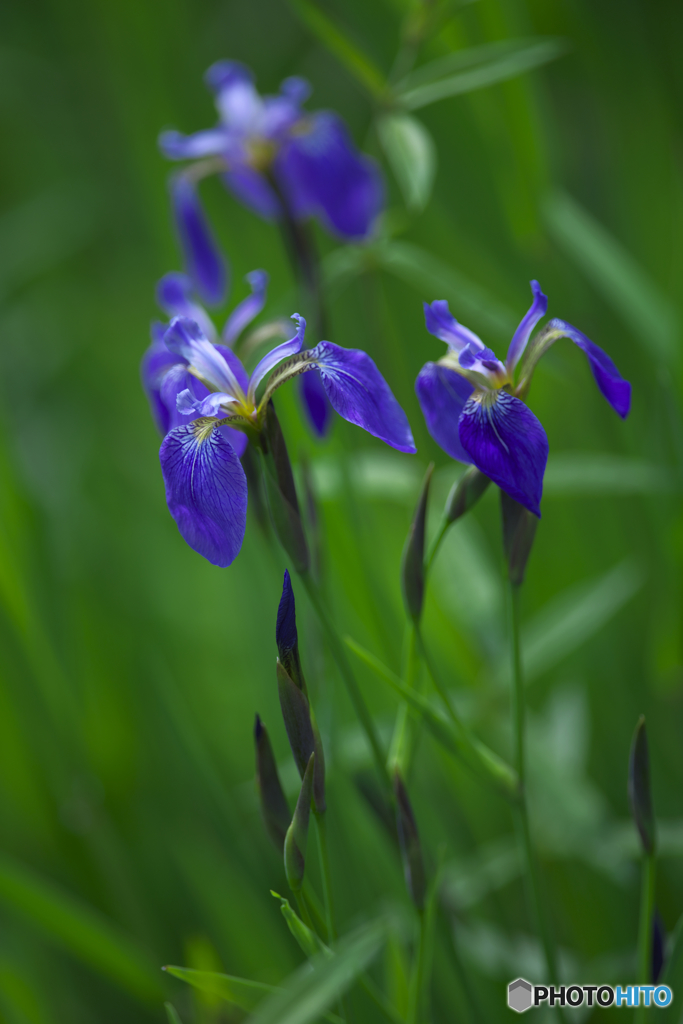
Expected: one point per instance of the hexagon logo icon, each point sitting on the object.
(519, 995)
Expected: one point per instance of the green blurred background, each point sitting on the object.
(131, 670)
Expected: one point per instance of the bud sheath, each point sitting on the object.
(272, 798)
(409, 841)
(519, 530)
(297, 833)
(639, 792)
(412, 564)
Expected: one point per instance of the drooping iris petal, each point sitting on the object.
(156, 363)
(248, 308)
(185, 337)
(252, 189)
(177, 146)
(616, 390)
(315, 402)
(204, 262)
(276, 355)
(322, 173)
(174, 296)
(206, 490)
(442, 324)
(508, 443)
(360, 394)
(538, 309)
(442, 394)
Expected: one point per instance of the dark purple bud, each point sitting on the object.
(286, 635)
(281, 492)
(409, 841)
(465, 493)
(639, 792)
(658, 946)
(297, 833)
(412, 563)
(519, 530)
(203, 261)
(271, 796)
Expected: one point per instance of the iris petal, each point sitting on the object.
(442, 394)
(360, 394)
(323, 173)
(616, 390)
(538, 309)
(176, 146)
(277, 354)
(206, 490)
(245, 311)
(252, 189)
(185, 337)
(442, 324)
(315, 402)
(203, 260)
(174, 296)
(507, 442)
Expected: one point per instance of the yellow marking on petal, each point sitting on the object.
(203, 427)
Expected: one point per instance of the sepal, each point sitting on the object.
(297, 833)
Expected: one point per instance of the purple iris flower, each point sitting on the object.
(218, 407)
(268, 150)
(473, 403)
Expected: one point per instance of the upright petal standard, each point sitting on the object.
(472, 403)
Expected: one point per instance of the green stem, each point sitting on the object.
(303, 910)
(521, 809)
(415, 995)
(339, 654)
(647, 909)
(321, 828)
(399, 751)
(438, 686)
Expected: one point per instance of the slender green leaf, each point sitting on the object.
(314, 987)
(172, 1014)
(239, 991)
(625, 285)
(453, 736)
(584, 473)
(411, 153)
(346, 52)
(478, 68)
(78, 928)
(434, 279)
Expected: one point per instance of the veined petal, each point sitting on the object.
(538, 309)
(442, 394)
(360, 394)
(323, 173)
(225, 73)
(616, 390)
(508, 443)
(315, 402)
(443, 325)
(248, 308)
(177, 146)
(177, 380)
(174, 295)
(203, 260)
(276, 355)
(156, 363)
(206, 490)
(185, 337)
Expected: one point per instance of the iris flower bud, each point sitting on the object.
(297, 833)
(639, 792)
(271, 796)
(465, 493)
(519, 530)
(409, 841)
(412, 563)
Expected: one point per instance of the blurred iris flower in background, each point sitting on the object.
(473, 406)
(277, 159)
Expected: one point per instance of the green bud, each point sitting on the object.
(465, 493)
(639, 792)
(297, 833)
(519, 530)
(281, 492)
(307, 939)
(273, 802)
(302, 730)
(409, 841)
(412, 563)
